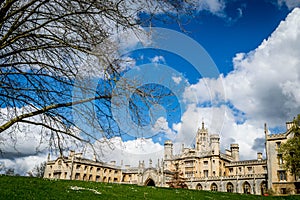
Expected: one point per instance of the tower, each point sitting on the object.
(235, 152)
(202, 142)
(215, 144)
(168, 149)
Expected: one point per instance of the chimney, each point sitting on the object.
(72, 153)
(113, 162)
(259, 156)
(127, 166)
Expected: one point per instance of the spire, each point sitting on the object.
(202, 124)
(266, 129)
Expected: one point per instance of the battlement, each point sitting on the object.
(276, 136)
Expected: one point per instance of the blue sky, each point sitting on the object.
(251, 43)
(255, 45)
(242, 26)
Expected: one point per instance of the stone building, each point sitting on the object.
(280, 180)
(204, 167)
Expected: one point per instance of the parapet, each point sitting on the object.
(168, 142)
(234, 146)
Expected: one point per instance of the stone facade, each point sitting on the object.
(203, 168)
(280, 180)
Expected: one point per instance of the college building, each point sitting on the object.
(204, 167)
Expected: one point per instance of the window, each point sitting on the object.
(199, 186)
(214, 161)
(77, 176)
(205, 173)
(98, 169)
(91, 169)
(283, 190)
(77, 166)
(214, 187)
(97, 178)
(231, 170)
(229, 187)
(282, 175)
(249, 169)
(214, 173)
(278, 144)
(246, 187)
(265, 168)
(280, 161)
(205, 162)
(240, 169)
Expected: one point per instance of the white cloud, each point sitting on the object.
(289, 3)
(158, 59)
(161, 126)
(232, 132)
(176, 79)
(264, 87)
(25, 145)
(214, 6)
(128, 152)
(262, 84)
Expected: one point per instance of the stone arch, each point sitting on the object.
(199, 187)
(214, 187)
(149, 182)
(229, 187)
(246, 188)
(263, 187)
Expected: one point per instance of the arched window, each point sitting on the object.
(199, 187)
(214, 187)
(229, 187)
(263, 187)
(246, 188)
(150, 182)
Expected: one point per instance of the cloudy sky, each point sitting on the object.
(253, 48)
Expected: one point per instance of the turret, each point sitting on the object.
(168, 149)
(235, 152)
(215, 144)
(202, 139)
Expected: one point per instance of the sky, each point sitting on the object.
(250, 51)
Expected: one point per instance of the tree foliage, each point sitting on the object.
(291, 150)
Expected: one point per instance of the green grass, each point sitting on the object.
(12, 187)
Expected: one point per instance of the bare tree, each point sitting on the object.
(50, 47)
(38, 170)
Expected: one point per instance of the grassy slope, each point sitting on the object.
(35, 188)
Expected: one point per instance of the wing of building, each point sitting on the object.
(204, 167)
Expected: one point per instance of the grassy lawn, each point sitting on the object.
(12, 187)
